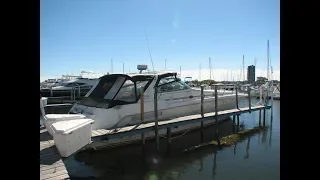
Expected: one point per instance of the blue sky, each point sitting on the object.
(80, 35)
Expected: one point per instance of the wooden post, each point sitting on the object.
(74, 94)
(156, 117)
(142, 114)
(247, 149)
(238, 119)
(51, 92)
(249, 99)
(260, 118)
(71, 94)
(272, 100)
(237, 100)
(169, 135)
(79, 92)
(234, 120)
(202, 113)
(216, 113)
(168, 140)
(202, 98)
(264, 117)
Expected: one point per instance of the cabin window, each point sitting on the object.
(114, 87)
(173, 86)
(127, 92)
(166, 80)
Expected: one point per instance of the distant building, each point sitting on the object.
(251, 75)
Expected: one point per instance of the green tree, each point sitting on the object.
(261, 80)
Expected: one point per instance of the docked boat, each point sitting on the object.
(254, 92)
(229, 87)
(276, 92)
(114, 102)
(81, 86)
(188, 80)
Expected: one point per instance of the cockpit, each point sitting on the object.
(117, 89)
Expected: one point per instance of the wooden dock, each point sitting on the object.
(51, 165)
(103, 134)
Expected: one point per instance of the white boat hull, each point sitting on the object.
(224, 104)
(276, 96)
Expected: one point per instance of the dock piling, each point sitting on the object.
(156, 117)
(74, 94)
(238, 119)
(237, 100)
(216, 113)
(71, 93)
(169, 135)
(51, 92)
(237, 103)
(260, 118)
(272, 100)
(249, 99)
(202, 113)
(142, 114)
(264, 117)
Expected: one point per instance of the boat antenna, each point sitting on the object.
(145, 33)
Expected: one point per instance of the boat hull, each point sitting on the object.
(118, 142)
(191, 109)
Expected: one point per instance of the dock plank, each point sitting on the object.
(135, 129)
(51, 165)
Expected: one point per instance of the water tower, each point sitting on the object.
(142, 67)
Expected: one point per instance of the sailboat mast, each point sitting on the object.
(210, 67)
(200, 72)
(243, 68)
(165, 64)
(268, 61)
(111, 66)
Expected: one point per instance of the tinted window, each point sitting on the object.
(173, 86)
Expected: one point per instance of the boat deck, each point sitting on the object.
(51, 165)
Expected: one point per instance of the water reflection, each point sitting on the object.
(247, 149)
(201, 164)
(214, 164)
(270, 137)
(130, 163)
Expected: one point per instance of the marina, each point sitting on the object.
(159, 90)
(52, 165)
(102, 138)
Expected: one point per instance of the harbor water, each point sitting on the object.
(253, 157)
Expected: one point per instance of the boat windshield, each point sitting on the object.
(117, 90)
